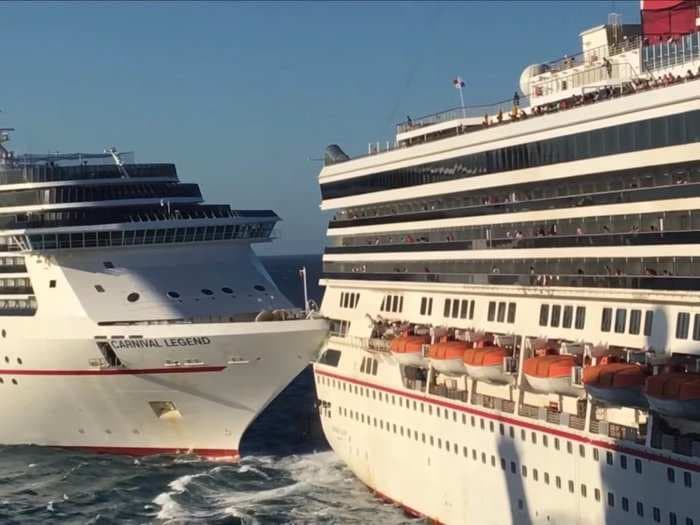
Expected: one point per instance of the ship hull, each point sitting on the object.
(181, 388)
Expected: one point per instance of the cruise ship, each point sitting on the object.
(514, 293)
(135, 318)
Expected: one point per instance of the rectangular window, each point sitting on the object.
(511, 313)
(544, 314)
(580, 317)
(606, 320)
(556, 315)
(430, 306)
(640, 509)
(635, 321)
(620, 320)
(471, 309)
(568, 317)
(448, 307)
(625, 504)
(696, 327)
(423, 305)
(501, 312)
(682, 325)
(648, 320)
(342, 299)
(401, 304)
(455, 308)
(492, 311)
(464, 306)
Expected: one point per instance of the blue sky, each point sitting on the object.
(244, 96)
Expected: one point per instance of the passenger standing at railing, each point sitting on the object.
(516, 99)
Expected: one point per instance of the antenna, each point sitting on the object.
(118, 161)
(615, 24)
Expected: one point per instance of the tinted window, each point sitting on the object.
(682, 324)
(568, 317)
(620, 320)
(635, 321)
(580, 317)
(556, 315)
(544, 314)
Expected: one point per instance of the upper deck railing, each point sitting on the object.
(671, 53)
(36, 173)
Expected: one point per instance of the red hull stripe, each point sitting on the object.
(112, 371)
(524, 424)
(151, 451)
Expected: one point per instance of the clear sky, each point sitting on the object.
(244, 97)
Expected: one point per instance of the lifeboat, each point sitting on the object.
(616, 383)
(486, 364)
(447, 357)
(408, 349)
(675, 394)
(550, 374)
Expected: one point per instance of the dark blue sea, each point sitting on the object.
(287, 473)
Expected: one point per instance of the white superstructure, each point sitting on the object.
(513, 295)
(133, 317)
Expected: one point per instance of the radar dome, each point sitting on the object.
(528, 73)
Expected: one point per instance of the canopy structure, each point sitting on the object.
(668, 19)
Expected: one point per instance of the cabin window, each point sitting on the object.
(606, 320)
(620, 320)
(672, 520)
(423, 305)
(682, 325)
(133, 297)
(546, 478)
(544, 314)
(511, 313)
(671, 475)
(638, 466)
(609, 457)
(580, 317)
(471, 309)
(568, 317)
(52, 283)
(656, 514)
(688, 479)
(648, 319)
(596, 494)
(99, 288)
(557, 482)
(640, 509)
(448, 306)
(556, 315)
(464, 306)
(696, 327)
(635, 321)
(501, 312)
(623, 462)
(625, 504)
(492, 311)
(611, 499)
(455, 308)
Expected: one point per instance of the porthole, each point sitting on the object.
(173, 295)
(99, 288)
(133, 297)
(2, 381)
(14, 381)
(207, 291)
(7, 359)
(226, 289)
(19, 360)
(259, 287)
(4, 333)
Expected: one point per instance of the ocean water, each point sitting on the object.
(287, 473)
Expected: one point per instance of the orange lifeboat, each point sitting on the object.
(447, 356)
(408, 349)
(616, 383)
(675, 394)
(486, 364)
(550, 374)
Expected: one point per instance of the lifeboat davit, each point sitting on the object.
(616, 383)
(408, 349)
(550, 374)
(675, 394)
(447, 357)
(486, 364)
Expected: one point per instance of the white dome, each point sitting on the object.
(528, 73)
